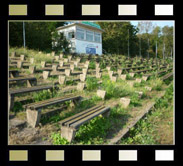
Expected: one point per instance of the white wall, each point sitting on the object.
(81, 45)
(65, 31)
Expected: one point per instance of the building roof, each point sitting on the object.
(85, 24)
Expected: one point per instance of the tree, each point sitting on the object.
(37, 34)
(167, 33)
(145, 26)
(115, 37)
(60, 43)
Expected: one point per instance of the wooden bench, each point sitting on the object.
(140, 71)
(13, 73)
(163, 71)
(13, 92)
(34, 110)
(70, 125)
(31, 81)
(165, 77)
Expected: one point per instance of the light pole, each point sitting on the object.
(24, 34)
(156, 52)
(140, 47)
(148, 49)
(128, 45)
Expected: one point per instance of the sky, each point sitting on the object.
(158, 23)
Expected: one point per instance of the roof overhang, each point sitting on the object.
(80, 24)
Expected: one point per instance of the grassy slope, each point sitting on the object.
(157, 127)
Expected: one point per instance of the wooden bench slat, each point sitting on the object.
(82, 115)
(31, 89)
(79, 123)
(51, 102)
(48, 100)
(78, 114)
(21, 79)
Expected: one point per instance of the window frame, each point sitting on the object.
(73, 33)
(80, 29)
(96, 33)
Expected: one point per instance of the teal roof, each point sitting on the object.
(91, 24)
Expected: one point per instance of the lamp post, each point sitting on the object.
(156, 52)
(148, 49)
(24, 34)
(140, 47)
(128, 45)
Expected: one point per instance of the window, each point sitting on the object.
(97, 37)
(80, 34)
(89, 35)
(71, 35)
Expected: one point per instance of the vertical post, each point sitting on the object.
(148, 49)
(140, 47)
(156, 52)
(163, 51)
(171, 53)
(24, 33)
(128, 45)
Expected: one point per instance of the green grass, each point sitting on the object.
(147, 129)
(135, 100)
(91, 83)
(91, 65)
(44, 95)
(17, 107)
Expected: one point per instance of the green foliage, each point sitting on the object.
(115, 37)
(135, 100)
(58, 140)
(43, 95)
(88, 103)
(92, 65)
(60, 43)
(93, 132)
(145, 130)
(37, 34)
(117, 111)
(113, 90)
(141, 134)
(17, 107)
(164, 102)
(156, 84)
(103, 65)
(91, 83)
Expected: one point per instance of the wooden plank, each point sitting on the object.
(51, 102)
(79, 123)
(85, 115)
(21, 79)
(31, 89)
(48, 100)
(79, 114)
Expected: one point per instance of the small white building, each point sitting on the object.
(85, 37)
